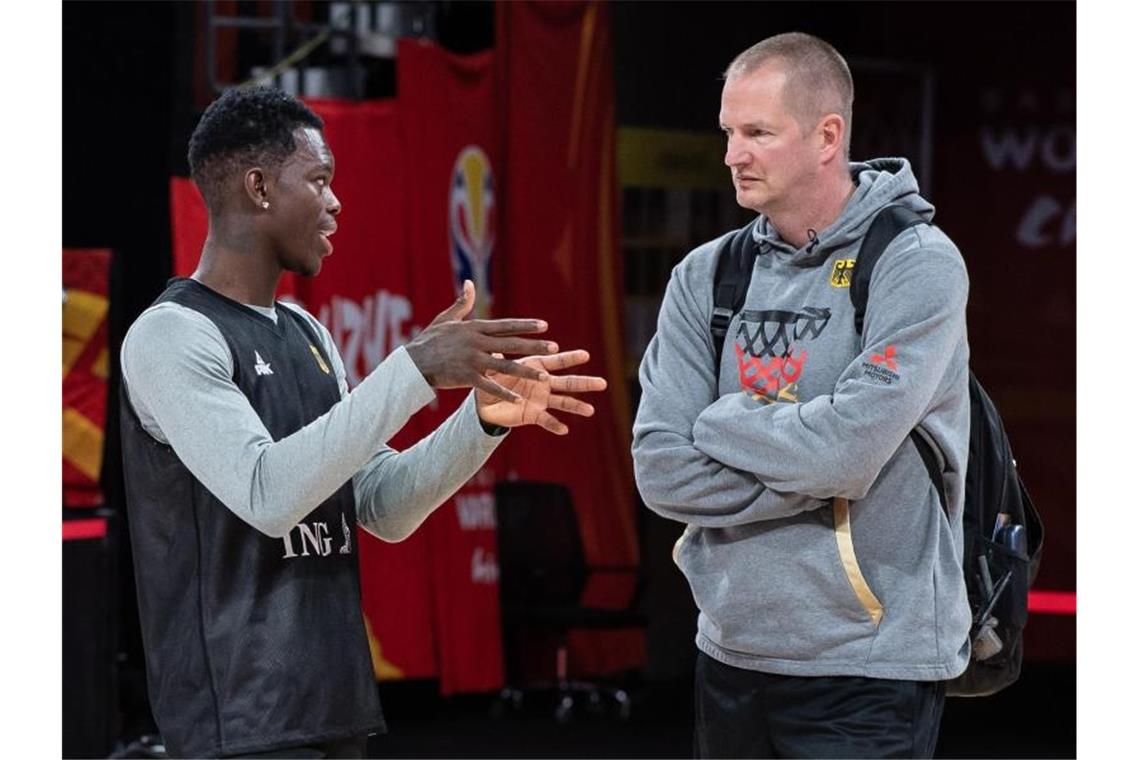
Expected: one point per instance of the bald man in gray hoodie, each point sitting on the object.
(827, 575)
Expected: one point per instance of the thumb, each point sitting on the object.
(462, 306)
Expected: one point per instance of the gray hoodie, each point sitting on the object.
(815, 542)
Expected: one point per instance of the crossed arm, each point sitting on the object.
(720, 461)
(678, 381)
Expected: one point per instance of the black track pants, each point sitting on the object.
(745, 713)
(352, 747)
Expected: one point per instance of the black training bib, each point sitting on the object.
(252, 642)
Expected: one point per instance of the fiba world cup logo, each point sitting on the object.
(471, 223)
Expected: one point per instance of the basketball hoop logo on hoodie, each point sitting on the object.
(471, 223)
(769, 358)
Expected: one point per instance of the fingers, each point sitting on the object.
(496, 390)
(571, 405)
(549, 422)
(509, 326)
(577, 383)
(462, 306)
(466, 300)
(520, 346)
(507, 367)
(565, 359)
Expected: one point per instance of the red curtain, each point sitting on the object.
(561, 242)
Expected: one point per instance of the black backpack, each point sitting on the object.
(1001, 528)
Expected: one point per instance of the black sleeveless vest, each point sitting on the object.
(251, 642)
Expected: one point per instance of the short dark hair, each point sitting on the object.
(246, 126)
(819, 81)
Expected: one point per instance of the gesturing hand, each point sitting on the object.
(452, 353)
(540, 395)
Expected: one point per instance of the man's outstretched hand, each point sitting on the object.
(455, 353)
(539, 396)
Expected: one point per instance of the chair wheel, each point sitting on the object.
(622, 699)
(565, 710)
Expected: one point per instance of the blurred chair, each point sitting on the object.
(543, 572)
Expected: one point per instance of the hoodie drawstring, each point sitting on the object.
(814, 240)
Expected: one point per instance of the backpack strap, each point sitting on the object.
(930, 461)
(888, 224)
(734, 261)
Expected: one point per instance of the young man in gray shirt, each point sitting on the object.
(248, 462)
(827, 575)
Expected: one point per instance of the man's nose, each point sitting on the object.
(334, 203)
(734, 154)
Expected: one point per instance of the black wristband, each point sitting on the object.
(495, 430)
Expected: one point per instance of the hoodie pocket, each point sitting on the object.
(841, 511)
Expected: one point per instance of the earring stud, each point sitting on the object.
(265, 204)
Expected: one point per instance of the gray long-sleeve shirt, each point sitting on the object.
(178, 372)
(815, 541)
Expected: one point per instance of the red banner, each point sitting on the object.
(447, 118)
(86, 274)
(563, 264)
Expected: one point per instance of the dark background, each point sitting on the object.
(130, 100)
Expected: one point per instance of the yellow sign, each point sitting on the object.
(671, 158)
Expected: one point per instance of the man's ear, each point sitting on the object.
(832, 131)
(255, 186)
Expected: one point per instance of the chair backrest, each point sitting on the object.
(541, 560)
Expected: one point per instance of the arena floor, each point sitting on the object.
(1034, 718)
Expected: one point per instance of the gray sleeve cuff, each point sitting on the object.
(409, 378)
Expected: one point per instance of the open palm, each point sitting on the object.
(539, 396)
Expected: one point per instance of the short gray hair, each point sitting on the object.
(818, 79)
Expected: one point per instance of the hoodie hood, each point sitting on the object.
(878, 183)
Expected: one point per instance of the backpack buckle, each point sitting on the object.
(721, 317)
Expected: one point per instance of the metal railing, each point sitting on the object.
(355, 29)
